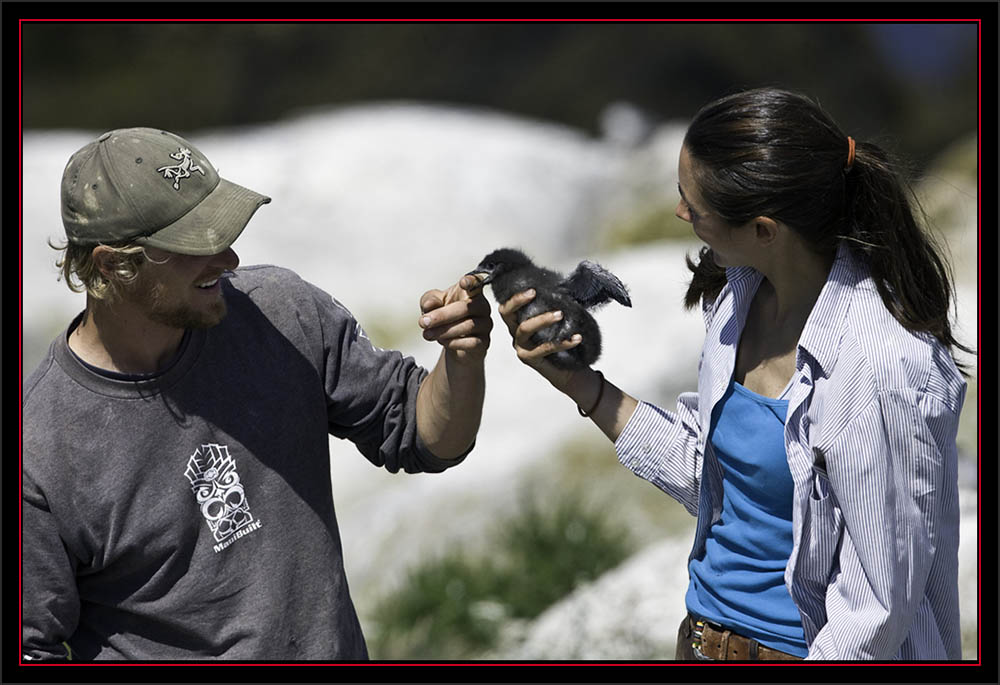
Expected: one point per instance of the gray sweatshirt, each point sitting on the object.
(190, 516)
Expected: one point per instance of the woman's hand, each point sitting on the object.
(605, 404)
(536, 356)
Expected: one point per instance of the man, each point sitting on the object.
(176, 489)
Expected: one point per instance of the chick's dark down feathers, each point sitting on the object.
(509, 271)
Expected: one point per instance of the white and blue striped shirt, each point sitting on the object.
(870, 439)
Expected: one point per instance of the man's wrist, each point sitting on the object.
(474, 360)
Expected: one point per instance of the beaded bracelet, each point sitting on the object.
(600, 394)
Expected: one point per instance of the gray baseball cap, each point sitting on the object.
(155, 188)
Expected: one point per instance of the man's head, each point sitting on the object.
(144, 209)
(155, 189)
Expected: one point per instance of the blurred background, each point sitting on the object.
(397, 155)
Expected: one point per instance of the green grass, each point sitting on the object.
(454, 606)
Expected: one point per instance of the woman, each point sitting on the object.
(818, 453)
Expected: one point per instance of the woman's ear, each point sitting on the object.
(766, 230)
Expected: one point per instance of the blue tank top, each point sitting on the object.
(739, 581)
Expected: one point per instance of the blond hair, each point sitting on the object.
(81, 273)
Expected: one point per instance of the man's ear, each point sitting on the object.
(103, 257)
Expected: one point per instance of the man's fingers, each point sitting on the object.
(471, 284)
(475, 308)
(431, 300)
(467, 344)
(468, 289)
(468, 327)
(479, 306)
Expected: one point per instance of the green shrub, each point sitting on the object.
(431, 616)
(454, 607)
(549, 551)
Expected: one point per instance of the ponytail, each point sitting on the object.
(906, 263)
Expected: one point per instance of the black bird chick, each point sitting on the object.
(510, 271)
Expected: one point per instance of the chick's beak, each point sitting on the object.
(484, 277)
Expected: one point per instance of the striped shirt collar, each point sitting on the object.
(824, 328)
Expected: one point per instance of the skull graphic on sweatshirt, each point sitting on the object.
(218, 491)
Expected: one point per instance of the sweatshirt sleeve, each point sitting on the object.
(372, 394)
(50, 603)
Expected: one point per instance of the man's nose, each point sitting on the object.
(227, 259)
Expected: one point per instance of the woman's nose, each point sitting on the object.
(681, 212)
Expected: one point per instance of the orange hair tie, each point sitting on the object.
(850, 153)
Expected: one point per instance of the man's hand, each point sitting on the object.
(450, 400)
(459, 319)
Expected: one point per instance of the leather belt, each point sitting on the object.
(722, 644)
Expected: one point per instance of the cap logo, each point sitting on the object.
(182, 170)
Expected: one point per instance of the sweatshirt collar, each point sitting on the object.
(120, 385)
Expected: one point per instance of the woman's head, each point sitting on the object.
(732, 244)
(776, 154)
(771, 153)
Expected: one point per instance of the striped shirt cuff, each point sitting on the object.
(644, 442)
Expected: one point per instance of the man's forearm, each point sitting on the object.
(450, 405)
